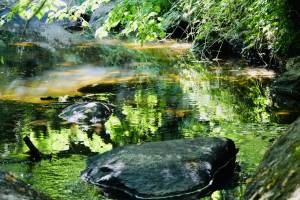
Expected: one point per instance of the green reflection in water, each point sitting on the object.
(57, 178)
(182, 99)
(141, 121)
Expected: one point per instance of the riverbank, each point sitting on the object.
(263, 32)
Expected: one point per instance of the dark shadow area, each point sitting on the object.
(294, 15)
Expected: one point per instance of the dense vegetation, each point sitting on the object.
(265, 29)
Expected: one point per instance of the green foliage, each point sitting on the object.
(27, 9)
(141, 18)
(75, 12)
(141, 122)
(260, 25)
(55, 10)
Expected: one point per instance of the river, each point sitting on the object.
(159, 91)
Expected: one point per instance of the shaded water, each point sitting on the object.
(160, 92)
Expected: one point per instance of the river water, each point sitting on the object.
(159, 92)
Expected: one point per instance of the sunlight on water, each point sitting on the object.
(157, 93)
(65, 81)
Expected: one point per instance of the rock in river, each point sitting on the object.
(173, 169)
(86, 114)
(278, 176)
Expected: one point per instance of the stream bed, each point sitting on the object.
(158, 91)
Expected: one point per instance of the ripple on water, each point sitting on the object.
(153, 101)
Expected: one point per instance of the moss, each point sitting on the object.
(277, 174)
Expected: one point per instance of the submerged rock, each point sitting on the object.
(164, 170)
(13, 189)
(278, 175)
(286, 92)
(86, 113)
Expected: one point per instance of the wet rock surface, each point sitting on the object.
(278, 175)
(288, 84)
(13, 189)
(176, 169)
(286, 89)
(86, 113)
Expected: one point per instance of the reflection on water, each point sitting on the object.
(65, 81)
(155, 97)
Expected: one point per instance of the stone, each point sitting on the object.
(285, 90)
(86, 114)
(173, 169)
(278, 175)
(288, 84)
(39, 30)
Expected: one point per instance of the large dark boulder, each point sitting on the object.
(13, 189)
(113, 86)
(176, 169)
(278, 175)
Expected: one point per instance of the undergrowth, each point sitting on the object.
(264, 28)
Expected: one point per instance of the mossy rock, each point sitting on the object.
(278, 175)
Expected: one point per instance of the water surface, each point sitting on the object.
(159, 91)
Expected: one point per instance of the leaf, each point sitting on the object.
(84, 23)
(152, 14)
(101, 33)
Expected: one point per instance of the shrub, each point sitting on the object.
(267, 28)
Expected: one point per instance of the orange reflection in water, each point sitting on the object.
(65, 81)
